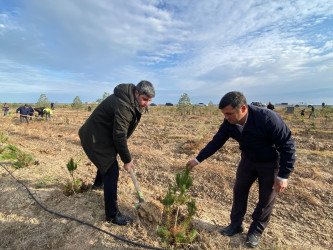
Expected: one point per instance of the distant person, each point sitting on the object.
(323, 105)
(31, 112)
(104, 135)
(312, 111)
(303, 112)
(52, 105)
(40, 111)
(47, 112)
(270, 106)
(5, 109)
(89, 108)
(24, 113)
(146, 109)
(267, 154)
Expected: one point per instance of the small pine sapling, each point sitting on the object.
(179, 208)
(15, 155)
(76, 184)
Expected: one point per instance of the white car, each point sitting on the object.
(302, 104)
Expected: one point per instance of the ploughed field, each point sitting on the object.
(162, 144)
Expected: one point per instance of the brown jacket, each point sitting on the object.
(105, 133)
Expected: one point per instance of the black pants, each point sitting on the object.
(247, 172)
(110, 180)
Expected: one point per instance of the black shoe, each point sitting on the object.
(232, 230)
(99, 187)
(252, 240)
(120, 219)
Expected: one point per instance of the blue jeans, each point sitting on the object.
(47, 115)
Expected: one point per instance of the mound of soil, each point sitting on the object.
(150, 215)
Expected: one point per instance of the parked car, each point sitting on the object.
(259, 104)
(302, 104)
(153, 104)
(168, 104)
(201, 104)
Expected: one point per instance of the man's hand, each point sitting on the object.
(192, 164)
(129, 166)
(280, 185)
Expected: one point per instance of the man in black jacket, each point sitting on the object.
(40, 111)
(270, 106)
(104, 135)
(267, 154)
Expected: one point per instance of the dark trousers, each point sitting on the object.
(247, 172)
(24, 117)
(110, 180)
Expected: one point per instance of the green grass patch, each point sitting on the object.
(46, 180)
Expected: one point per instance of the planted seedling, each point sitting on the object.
(179, 208)
(16, 156)
(76, 185)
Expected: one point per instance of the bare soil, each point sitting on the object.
(161, 146)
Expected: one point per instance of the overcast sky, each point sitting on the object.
(279, 51)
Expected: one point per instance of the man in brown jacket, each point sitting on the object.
(105, 134)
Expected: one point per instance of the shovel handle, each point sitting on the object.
(136, 185)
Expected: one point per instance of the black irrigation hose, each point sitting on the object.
(77, 220)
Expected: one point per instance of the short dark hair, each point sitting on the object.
(145, 88)
(234, 98)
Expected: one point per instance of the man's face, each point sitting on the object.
(234, 115)
(143, 100)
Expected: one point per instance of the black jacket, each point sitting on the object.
(264, 138)
(105, 133)
(270, 106)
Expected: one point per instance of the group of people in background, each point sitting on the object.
(27, 112)
(312, 113)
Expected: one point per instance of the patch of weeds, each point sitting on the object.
(3, 138)
(176, 229)
(312, 126)
(43, 182)
(202, 133)
(166, 131)
(16, 156)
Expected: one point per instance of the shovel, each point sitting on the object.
(149, 213)
(137, 188)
